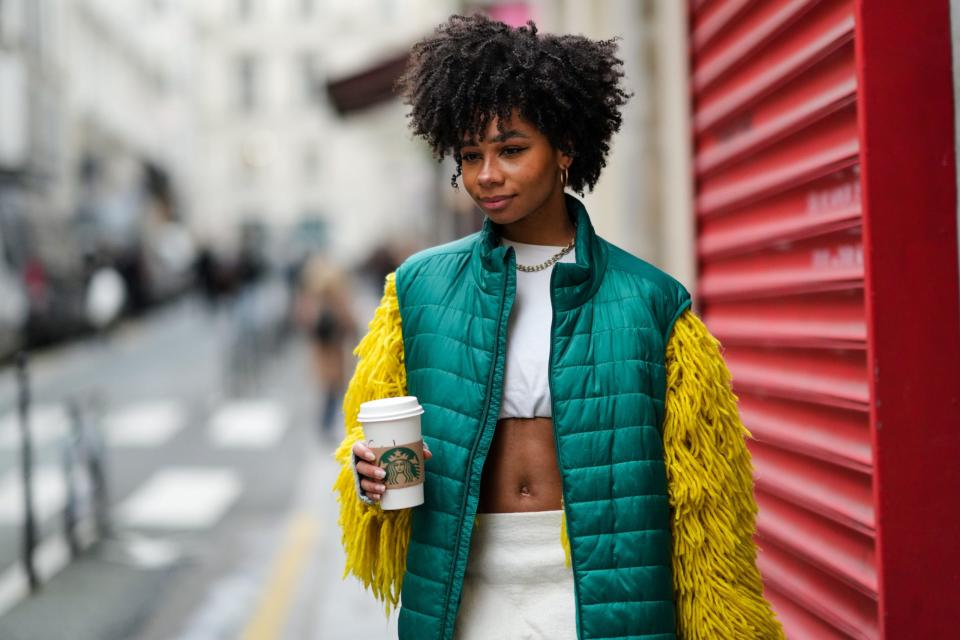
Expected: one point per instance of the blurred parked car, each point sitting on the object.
(55, 273)
(45, 260)
(13, 303)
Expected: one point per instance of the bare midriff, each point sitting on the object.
(521, 471)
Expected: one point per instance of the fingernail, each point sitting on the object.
(369, 456)
(381, 488)
(380, 473)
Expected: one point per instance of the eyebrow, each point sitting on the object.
(506, 135)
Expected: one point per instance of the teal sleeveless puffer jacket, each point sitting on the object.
(612, 315)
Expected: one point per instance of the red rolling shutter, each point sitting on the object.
(780, 127)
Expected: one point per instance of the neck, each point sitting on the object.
(548, 225)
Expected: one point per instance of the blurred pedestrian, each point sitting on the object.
(324, 310)
(208, 276)
(589, 475)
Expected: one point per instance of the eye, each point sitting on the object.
(469, 157)
(512, 151)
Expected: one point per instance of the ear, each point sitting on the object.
(564, 159)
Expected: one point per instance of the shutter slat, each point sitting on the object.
(826, 263)
(832, 434)
(832, 320)
(833, 379)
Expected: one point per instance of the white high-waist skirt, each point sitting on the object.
(517, 584)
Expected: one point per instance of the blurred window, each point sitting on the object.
(388, 10)
(11, 22)
(310, 78)
(247, 67)
(245, 9)
(311, 161)
(308, 8)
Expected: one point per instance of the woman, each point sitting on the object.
(324, 310)
(573, 401)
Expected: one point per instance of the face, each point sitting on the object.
(514, 175)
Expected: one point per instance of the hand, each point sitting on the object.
(371, 476)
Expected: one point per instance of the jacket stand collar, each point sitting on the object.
(573, 283)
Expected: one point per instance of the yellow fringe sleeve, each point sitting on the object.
(564, 537)
(717, 585)
(375, 541)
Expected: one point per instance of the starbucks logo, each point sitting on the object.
(401, 465)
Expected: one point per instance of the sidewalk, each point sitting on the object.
(306, 576)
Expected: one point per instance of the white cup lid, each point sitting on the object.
(389, 409)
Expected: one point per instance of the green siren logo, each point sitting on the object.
(401, 466)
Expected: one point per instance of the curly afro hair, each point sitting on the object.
(473, 69)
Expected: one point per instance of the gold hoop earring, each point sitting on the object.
(563, 176)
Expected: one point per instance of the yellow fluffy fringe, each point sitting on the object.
(564, 539)
(375, 541)
(718, 589)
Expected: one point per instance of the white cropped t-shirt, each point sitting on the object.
(526, 388)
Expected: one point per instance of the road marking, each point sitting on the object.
(145, 424)
(271, 613)
(48, 423)
(13, 587)
(182, 498)
(49, 494)
(248, 424)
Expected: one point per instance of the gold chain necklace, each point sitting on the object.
(549, 262)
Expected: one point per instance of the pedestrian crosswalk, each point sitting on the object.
(145, 424)
(48, 423)
(181, 498)
(247, 424)
(175, 496)
(49, 488)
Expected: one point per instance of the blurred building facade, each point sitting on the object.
(274, 153)
(644, 196)
(94, 135)
(31, 148)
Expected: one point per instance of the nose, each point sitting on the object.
(490, 174)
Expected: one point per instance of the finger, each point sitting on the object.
(371, 471)
(363, 451)
(427, 454)
(371, 486)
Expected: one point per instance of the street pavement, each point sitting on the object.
(223, 522)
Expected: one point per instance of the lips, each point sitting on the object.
(495, 202)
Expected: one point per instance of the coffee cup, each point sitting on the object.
(392, 430)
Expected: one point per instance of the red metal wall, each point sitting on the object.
(779, 166)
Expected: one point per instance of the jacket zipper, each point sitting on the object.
(556, 440)
(476, 444)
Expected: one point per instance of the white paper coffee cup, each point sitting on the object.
(392, 429)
